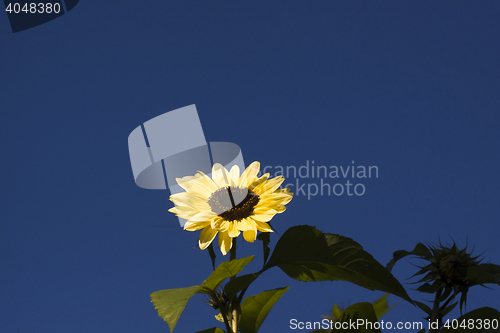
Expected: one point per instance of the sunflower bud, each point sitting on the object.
(453, 268)
(219, 298)
(447, 270)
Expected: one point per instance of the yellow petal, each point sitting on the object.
(233, 230)
(263, 226)
(281, 198)
(280, 209)
(263, 210)
(250, 235)
(245, 225)
(185, 212)
(273, 184)
(220, 175)
(220, 224)
(249, 174)
(194, 200)
(225, 242)
(263, 217)
(190, 226)
(195, 184)
(202, 216)
(208, 181)
(234, 174)
(207, 235)
(257, 185)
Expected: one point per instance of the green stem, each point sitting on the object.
(435, 314)
(235, 306)
(223, 311)
(441, 309)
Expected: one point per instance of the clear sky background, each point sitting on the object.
(409, 86)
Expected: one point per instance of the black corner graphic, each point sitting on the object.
(28, 14)
(70, 4)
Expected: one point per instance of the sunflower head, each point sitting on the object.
(447, 270)
(229, 204)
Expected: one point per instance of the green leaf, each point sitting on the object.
(445, 294)
(265, 237)
(431, 288)
(381, 306)
(225, 270)
(424, 307)
(254, 309)
(212, 330)
(212, 254)
(336, 311)
(484, 273)
(419, 250)
(448, 309)
(362, 311)
(481, 314)
(306, 254)
(238, 284)
(219, 317)
(171, 302)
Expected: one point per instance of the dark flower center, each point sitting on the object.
(454, 268)
(233, 203)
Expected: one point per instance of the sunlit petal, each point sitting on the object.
(263, 226)
(225, 242)
(207, 235)
(233, 230)
(190, 226)
(250, 235)
(263, 217)
(249, 174)
(202, 216)
(195, 184)
(220, 175)
(234, 174)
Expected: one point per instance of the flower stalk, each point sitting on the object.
(235, 306)
(436, 310)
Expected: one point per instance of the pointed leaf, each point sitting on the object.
(431, 288)
(381, 306)
(448, 309)
(238, 284)
(171, 302)
(424, 307)
(254, 309)
(336, 311)
(419, 250)
(445, 294)
(484, 273)
(219, 317)
(265, 237)
(212, 330)
(306, 254)
(212, 254)
(361, 311)
(225, 270)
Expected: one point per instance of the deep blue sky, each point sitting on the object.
(409, 86)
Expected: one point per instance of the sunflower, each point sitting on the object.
(229, 204)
